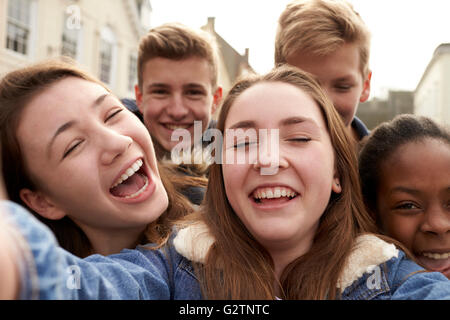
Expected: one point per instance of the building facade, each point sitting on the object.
(376, 111)
(432, 95)
(101, 35)
(232, 64)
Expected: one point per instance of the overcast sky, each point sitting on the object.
(405, 33)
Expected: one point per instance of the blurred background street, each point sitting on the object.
(410, 56)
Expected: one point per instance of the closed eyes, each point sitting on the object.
(244, 144)
(300, 139)
(113, 114)
(72, 148)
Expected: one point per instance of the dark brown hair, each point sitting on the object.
(16, 91)
(383, 141)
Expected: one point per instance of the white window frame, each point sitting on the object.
(29, 26)
(108, 39)
(132, 72)
(78, 38)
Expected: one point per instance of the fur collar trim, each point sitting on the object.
(194, 241)
(369, 252)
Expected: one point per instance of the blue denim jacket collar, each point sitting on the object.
(193, 243)
(165, 274)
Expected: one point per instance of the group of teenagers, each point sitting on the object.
(93, 208)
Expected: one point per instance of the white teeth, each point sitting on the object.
(129, 172)
(271, 193)
(175, 126)
(436, 256)
(277, 193)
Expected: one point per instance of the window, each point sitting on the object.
(107, 55)
(132, 73)
(69, 43)
(70, 38)
(105, 61)
(18, 26)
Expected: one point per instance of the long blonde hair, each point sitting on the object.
(237, 266)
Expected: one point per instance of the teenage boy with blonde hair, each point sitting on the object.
(329, 40)
(177, 82)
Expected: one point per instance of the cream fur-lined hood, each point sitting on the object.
(193, 243)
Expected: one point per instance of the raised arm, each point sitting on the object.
(46, 271)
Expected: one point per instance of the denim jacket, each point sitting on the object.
(49, 272)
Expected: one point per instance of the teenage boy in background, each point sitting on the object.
(177, 82)
(329, 40)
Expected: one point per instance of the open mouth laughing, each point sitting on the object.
(436, 260)
(132, 182)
